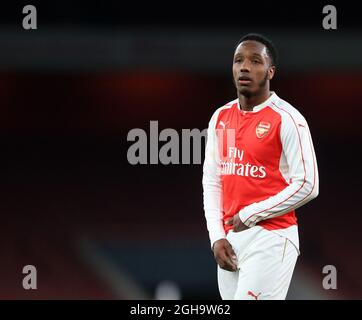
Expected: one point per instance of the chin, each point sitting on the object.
(245, 92)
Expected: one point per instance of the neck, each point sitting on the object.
(247, 103)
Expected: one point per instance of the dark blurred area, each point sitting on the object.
(97, 227)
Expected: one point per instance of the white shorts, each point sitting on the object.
(266, 263)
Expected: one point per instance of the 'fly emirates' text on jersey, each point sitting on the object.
(259, 164)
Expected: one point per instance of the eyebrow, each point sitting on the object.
(257, 55)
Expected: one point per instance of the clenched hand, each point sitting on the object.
(237, 224)
(225, 255)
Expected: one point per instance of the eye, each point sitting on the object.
(256, 61)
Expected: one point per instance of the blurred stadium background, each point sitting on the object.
(97, 227)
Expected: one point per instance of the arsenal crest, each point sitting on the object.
(262, 129)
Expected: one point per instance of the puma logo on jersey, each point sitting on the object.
(250, 293)
(223, 124)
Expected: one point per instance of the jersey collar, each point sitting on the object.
(264, 104)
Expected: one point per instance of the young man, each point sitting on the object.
(260, 166)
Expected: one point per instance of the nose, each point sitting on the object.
(245, 66)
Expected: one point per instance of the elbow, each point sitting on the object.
(312, 189)
(315, 192)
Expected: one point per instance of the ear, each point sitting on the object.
(271, 72)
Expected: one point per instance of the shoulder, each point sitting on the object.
(288, 113)
(219, 110)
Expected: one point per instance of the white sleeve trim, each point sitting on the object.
(212, 186)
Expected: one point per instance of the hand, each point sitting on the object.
(225, 255)
(236, 223)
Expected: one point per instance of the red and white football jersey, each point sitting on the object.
(259, 164)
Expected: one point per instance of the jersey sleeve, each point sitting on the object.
(212, 187)
(303, 181)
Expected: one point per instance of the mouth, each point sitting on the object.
(244, 80)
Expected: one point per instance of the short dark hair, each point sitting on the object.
(272, 51)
